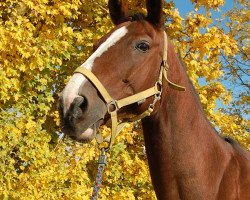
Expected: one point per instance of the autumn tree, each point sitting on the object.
(43, 41)
(237, 67)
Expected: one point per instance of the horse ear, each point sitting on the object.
(154, 8)
(117, 10)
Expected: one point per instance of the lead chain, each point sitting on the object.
(102, 162)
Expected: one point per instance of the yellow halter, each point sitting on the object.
(114, 105)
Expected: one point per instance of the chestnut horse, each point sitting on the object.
(187, 158)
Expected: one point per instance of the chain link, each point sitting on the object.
(102, 162)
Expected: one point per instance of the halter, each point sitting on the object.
(114, 105)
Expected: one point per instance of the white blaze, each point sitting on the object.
(71, 90)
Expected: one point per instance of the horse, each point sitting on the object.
(187, 158)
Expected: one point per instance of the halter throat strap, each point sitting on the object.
(114, 105)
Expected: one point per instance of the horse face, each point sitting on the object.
(126, 61)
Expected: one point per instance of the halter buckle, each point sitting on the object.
(112, 106)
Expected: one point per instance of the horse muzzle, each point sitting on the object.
(84, 115)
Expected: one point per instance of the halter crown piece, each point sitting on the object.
(114, 105)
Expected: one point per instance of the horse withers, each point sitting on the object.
(187, 158)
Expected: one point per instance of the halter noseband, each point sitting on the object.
(114, 105)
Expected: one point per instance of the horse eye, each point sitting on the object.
(142, 46)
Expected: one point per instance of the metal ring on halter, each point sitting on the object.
(158, 87)
(157, 97)
(112, 106)
(151, 107)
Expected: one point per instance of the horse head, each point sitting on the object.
(126, 61)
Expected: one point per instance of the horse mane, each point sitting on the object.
(136, 17)
(230, 141)
(236, 146)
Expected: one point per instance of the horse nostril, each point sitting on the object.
(80, 105)
(83, 105)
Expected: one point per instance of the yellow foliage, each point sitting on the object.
(208, 4)
(41, 43)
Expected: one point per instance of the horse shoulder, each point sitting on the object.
(241, 160)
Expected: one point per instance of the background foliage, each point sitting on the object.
(43, 41)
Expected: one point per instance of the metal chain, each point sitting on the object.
(157, 96)
(102, 162)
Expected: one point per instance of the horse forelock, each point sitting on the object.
(137, 17)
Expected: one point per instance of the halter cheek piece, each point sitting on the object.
(114, 105)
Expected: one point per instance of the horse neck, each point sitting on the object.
(178, 135)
